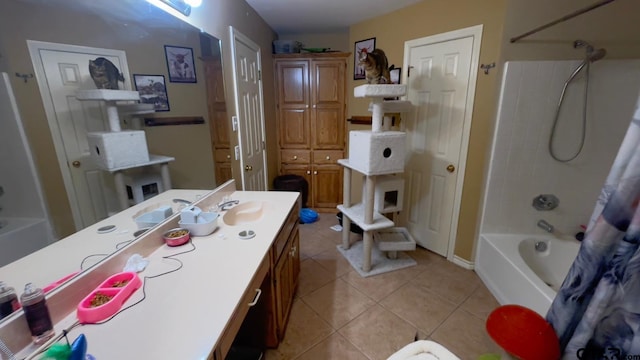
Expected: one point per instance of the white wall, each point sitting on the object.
(17, 177)
(521, 166)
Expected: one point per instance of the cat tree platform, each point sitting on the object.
(380, 91)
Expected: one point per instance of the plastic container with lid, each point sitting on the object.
(36, 312)
(8, 300)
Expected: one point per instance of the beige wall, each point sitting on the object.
(189, 144)
(430, 18)
(613, 26)
(335, 41)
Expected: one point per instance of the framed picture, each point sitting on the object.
(180, 64)
(362, 47)
(394, 74)
(152, 90)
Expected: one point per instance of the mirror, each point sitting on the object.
(140, 31)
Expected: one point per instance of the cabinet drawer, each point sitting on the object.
(295, 156)
(222, 155)
(250, 295)
(327, 156)
(285, 231)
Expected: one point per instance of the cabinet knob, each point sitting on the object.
(308, 172)
(315, 173)
(228, 156)
(295, 157)
(328, 157)
(248, 168)
(314, 106)
(293, 251)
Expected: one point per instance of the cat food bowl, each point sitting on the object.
(176, 237)
(206, 223)
(107, 298)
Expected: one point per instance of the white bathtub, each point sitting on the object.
(22, 236)
(516, 273)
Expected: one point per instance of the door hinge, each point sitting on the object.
(259, 74)
(236, 152)
(234, 123)
(264, 145)
(409, 71)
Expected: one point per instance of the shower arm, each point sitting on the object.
(564, 18)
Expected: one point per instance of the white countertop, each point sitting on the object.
(185, 312)
(64, 256)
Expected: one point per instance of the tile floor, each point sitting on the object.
(337, 314)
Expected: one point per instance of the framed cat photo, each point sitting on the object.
(180, 63)
(394, 74)
(362, 48)
(152, 90)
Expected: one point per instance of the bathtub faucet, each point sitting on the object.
(545, 226)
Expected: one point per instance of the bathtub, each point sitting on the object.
(22, 236)
(516, 273)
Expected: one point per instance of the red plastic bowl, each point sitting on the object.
(523, 333)
(172, 240)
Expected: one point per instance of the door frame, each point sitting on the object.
(34, 52)
(475, 32)
(235, 37)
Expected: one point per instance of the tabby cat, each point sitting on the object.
(376, 66)
(104, 74)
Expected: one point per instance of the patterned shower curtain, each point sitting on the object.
(596, 313)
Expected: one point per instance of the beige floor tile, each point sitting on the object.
(449, 281)
(481, 303)
(378, 333)
(333, 261)
(312, 277)
(311, 245)
(465, 336)
(333, 347)
(380, 286)
(338, 303)
(304, 330)
(420, 307)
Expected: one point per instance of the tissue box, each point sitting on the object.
(375, 153)
(111, 150)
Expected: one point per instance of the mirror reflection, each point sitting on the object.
(52, 186)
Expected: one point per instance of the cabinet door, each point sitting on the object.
(223, 173)
(283, 291)
(295, 259)
(327, 186)
(328, 121)
(292, 84)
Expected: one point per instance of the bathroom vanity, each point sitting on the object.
(197, 309)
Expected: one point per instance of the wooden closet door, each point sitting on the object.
(293, 104)
(328, 104)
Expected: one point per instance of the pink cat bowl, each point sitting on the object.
(107, 299)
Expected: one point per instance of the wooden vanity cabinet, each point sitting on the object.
(277, 279)
(311, 107)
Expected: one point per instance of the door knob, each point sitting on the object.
(451, 168)
(76, 164)
(248, 168)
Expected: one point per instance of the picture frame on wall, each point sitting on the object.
(394, 75)
(180, 64)
(152, 90)
(361, 48)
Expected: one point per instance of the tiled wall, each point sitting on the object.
(521, 166)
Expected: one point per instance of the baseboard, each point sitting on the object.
(469, 265)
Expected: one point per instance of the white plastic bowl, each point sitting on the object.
(207, 223)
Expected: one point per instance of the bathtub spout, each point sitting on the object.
(545, 226)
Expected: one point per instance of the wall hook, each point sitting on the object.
(487, 67)
(24, 77)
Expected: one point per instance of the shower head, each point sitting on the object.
(595, 55)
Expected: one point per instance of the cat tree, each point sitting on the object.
(118, 150)
(378, 155)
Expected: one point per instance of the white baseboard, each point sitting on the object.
(469, 265)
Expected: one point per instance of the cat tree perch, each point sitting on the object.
(378, 153)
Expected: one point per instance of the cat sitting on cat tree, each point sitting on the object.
(376, 66)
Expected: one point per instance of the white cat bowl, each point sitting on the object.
(207, 222)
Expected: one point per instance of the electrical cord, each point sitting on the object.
(90, 256)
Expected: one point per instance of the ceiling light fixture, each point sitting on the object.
(180, 5)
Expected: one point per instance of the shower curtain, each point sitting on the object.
(596, 313)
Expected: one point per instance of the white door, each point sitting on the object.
(441, 87)
(250, 113)
(61, 71)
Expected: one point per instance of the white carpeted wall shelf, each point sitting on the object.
(379, 155)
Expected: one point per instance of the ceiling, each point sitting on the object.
(314, 16)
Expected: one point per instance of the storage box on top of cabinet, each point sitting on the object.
(377, 153)
(113, 150)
